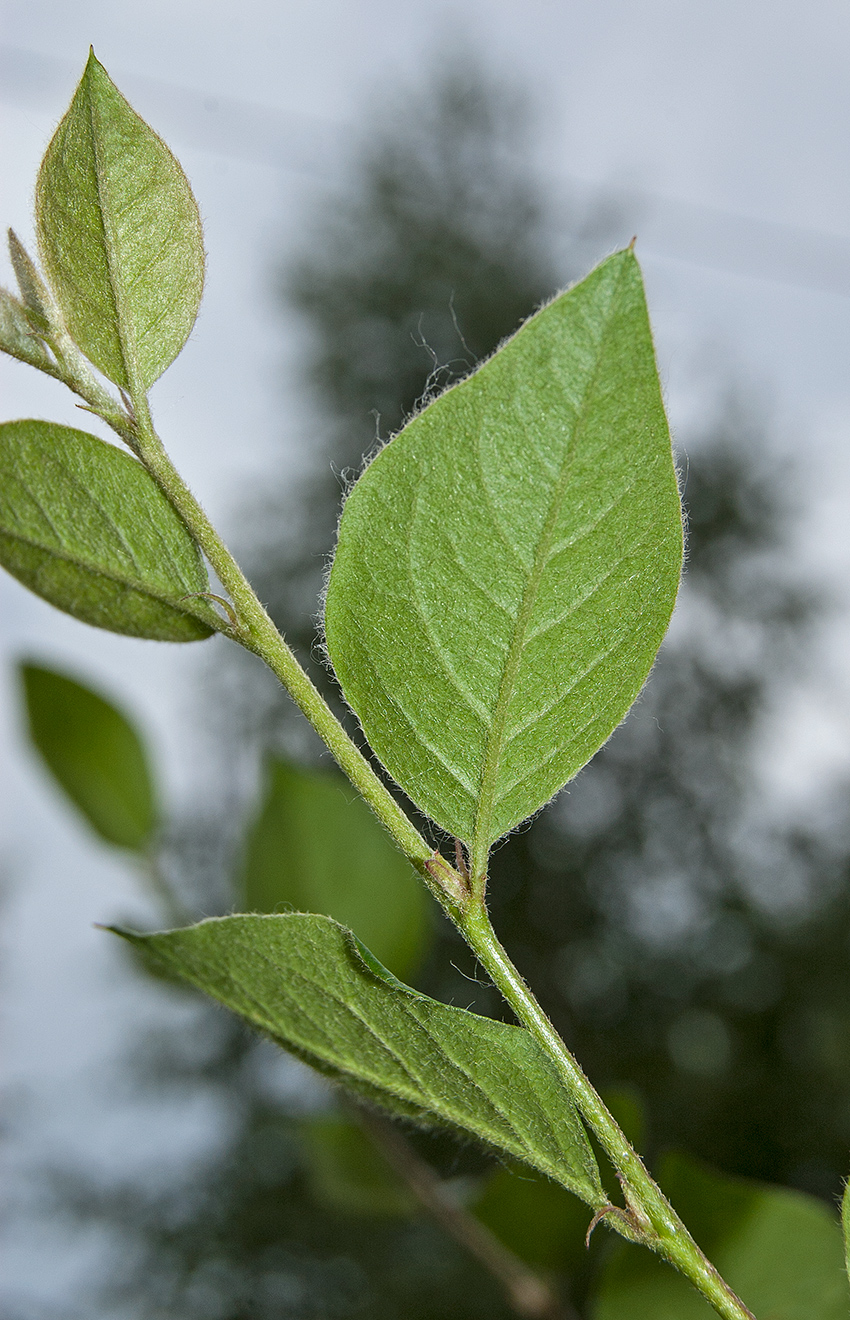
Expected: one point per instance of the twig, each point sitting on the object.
(527, 1293)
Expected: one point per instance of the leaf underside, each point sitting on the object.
(84, 526)
(508, 564)
(95, 755)
(307, 982)
(119, 235)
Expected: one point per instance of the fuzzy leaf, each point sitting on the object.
(316, 847)
(17, 337)
(508, 564)
(83, 525)
(39, 306)
(119, 234)
(845, 1226)
(95, 755)
(311, 985)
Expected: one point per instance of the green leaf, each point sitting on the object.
(845, 1225)
(348, 1173)
(95, 755)
(40, 309)
(119, 234)
(535, 1218)
(83, 525)
(313, 987)
(508, 564)
(316, 847)
(780, 1251)
(17, 337)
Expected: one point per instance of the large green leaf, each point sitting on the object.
(845, 1226)
(119, 234)
(311, 985)
(316, 847)
(508, 564)
(83, 525)
(94, 753)
(780, 1250)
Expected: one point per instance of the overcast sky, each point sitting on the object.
(723, 129)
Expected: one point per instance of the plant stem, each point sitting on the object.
(257, 633)
(649, 1215)
(648, 1218)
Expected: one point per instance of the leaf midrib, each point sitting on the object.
(482, 830)
(78, 561)
(124, 336)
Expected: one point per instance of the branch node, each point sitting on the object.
(452, 883)
(225, 605)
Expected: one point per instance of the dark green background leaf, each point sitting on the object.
(780, 1250)
(119, 234)
(347, 1171)
(535, 1217)
(508, 564)
(94, 753)
(316, 847)
(308, 983)
(84, 526)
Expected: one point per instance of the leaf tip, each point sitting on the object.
(131, 936)
(95, 78)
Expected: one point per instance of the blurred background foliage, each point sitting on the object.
(691, 947)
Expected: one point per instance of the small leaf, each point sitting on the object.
(508, 564)
(316, 847)
(40, 308)
(780, 1251)
(309, 984)
(17, 337)
(83, 525)
(119, 234)
(95, 755)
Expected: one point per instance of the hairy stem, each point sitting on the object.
(256, 632)
(649, 1217)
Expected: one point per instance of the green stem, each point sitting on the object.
(649, 1218)
(257, 633)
